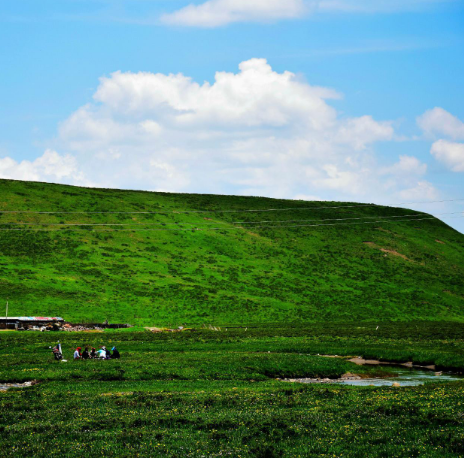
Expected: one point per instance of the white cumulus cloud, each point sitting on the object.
(407, 166)
(214, 13)
(450, 153)
(256, 131)
(49, 167)
(422, 191)
(439, 122)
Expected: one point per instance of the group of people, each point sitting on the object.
(92, 353)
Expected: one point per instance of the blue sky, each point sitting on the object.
(346, 100)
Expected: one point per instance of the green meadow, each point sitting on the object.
(206, 393)
(262, 301)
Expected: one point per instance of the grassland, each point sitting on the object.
(213, 394)
(165, 276)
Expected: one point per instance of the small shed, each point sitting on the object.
(24, 322)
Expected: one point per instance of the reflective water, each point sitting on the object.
(405, 377)
(7, 386)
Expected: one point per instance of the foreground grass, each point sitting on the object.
(211, 394)
(218, 419)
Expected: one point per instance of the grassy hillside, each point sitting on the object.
(400, 270)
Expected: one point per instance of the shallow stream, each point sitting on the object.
(7, 386)
(405, 377)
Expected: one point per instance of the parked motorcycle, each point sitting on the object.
(57, 353)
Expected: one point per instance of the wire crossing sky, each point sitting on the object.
(352, 100)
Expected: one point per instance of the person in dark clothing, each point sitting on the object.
(107, 353)
(85, 353)
(93, 353)
(116, 354)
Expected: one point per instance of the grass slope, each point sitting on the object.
(268, 274)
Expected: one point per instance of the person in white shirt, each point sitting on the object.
(101, 354)
(77, 353)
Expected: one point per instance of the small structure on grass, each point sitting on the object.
(31, 322)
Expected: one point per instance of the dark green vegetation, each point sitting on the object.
(211, 394)
(232, 275)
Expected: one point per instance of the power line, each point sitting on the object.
(225, 228)
(222, 222)
(217, 222)
(346, 219)
(219, 211)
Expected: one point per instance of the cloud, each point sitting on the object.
(422, 191)
(256, 96)
(256, 131)
(407, 166)
(451, 154)
(217, 13)
(48, 167)
(439, 122)
(214, 13)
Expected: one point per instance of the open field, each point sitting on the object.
(206, 393)
(282, 296)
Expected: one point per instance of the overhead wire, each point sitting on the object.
(221, 211)
(215, 222)
(225, 228)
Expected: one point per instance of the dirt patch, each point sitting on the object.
(395, 253)
(309, 380)
(385, 250)
(386, 230)
(375, 362)
(350, 376)
(362, 361)
(80, 328)
(156, 330)
(439, 241)
(153, 329)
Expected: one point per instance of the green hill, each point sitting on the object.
(389, 270)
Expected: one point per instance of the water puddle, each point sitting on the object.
(7, 386)
(404, 376)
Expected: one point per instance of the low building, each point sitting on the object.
(25, 322)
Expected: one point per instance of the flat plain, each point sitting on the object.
(204, 393)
